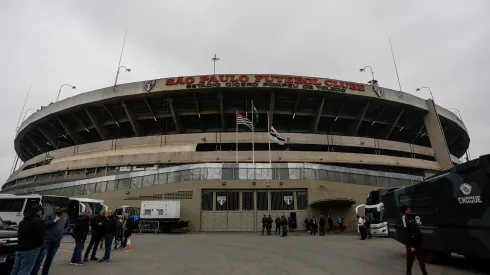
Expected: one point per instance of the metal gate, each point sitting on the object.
(242, 210)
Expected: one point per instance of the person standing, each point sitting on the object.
(322, 226)
(278, 226)
(269, 225)
(80, 235)
(264, 224)
(284, 223)
(110, 229)
(330, 224)
(340, 221)
(129, 225)
(313, 225)
(290, 224)
(413, 243)
(56, 226)
(97, 234)
(30, 236)
(360, 225)
(307, 224)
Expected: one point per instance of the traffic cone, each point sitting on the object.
(128, 245)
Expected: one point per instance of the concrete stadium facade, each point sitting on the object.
(177, 139)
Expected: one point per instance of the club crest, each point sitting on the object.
(148, 85)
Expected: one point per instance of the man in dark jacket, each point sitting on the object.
(80, 235)
(331, 228)
(313, 226)
(278, 226)
(97, 228)
(413, 240)
(264, 224)
(30, 239)
(322, 225)
(56, 226)
(110, 229)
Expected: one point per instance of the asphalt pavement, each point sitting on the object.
(251, 253)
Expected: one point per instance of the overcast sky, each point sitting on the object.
(440, 44)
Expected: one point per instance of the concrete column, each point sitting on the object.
(436, 136)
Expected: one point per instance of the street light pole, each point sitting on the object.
(430, 91)
(215, 59)
(73, 87)
(117, 74)
(372, 73)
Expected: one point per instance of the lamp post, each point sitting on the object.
(372, 73)
(430, 91)
(24, 117)
(73, 87)
(117, 74)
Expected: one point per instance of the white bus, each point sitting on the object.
(374, 211)
(13, 208)
(375, 214)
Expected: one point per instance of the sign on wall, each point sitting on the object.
(264, 81)
(288, 199)
(221, 200)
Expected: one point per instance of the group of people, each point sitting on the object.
(314, 226)
(39, 239)
(363, 225)
(282, 224)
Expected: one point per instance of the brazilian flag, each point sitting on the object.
(255, 114)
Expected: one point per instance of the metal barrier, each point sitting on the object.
(149, 226)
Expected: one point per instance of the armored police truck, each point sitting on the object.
(451, 209)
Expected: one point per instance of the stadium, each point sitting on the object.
(232, 148)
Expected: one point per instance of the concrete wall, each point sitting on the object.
(143, 150)
(230, 156)
(436, 136)
(191, 208)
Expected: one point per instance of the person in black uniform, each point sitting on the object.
(278, 226)
(331, 228)
(322, 226)
(269, 225)
(97, 234)
(80, 234)
(284, 224)
(30, 236)
(314, 226)
(413, 241)
(110, 229)
(264, 224)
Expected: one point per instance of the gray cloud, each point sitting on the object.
(440, 44)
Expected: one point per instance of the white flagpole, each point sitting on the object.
(253, 136)
(269, 136)
(236, 136)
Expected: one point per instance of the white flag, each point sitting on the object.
(240, 119)
(274, 135)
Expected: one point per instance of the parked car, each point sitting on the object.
(8, 244)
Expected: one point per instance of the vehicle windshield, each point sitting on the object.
(49, 204)
(373, 215)
(94, 206)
